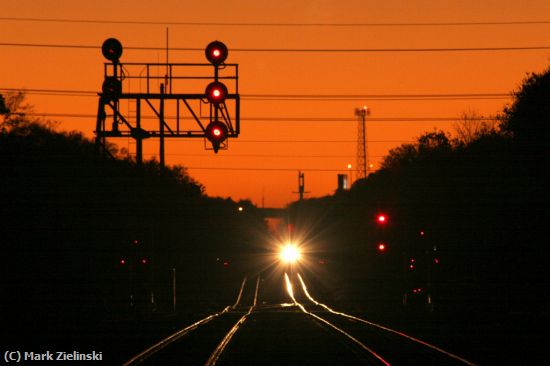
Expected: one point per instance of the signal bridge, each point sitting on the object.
(168, 100)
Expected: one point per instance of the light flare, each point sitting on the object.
(290, 253)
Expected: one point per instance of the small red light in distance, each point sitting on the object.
(381, 247)
(381, 219)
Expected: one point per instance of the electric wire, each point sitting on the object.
(290, 50)
(298, 97)
(279, 119)
(279, 24)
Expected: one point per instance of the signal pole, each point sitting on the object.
(161, 127)
(362, 157)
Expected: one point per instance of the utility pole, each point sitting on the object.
(362, 156)
(301, 185)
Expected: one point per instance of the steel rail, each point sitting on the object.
(332, 326)
(435, 348)
(214, 357)
(137, 359)
(240, 293)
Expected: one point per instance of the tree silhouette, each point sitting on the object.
(528, 118)
(471, 126)
(3, 108)
(15, 111)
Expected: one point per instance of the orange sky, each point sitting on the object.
(253, 168)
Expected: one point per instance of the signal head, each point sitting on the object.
(111, 86)
(216, 52)
(216, 92)
(216, 132)
(112, 49)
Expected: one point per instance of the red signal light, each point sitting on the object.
(381, 219)
(144, 261)
(216, 132)
(216, 92)
(216, 52)
(381, 247)
(123, 261)
(112, 49)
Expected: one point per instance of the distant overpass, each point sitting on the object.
(268, 212)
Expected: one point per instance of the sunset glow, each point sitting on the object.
(304, 67)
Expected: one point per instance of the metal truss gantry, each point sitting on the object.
(131, 108)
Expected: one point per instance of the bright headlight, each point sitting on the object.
(290, 253)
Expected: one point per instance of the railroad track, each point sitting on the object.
(171, 350)
(392, 347)
(302, 331)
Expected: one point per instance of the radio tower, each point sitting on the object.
(362, 156)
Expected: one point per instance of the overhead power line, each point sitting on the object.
(278, 24)
(291, 50)
(301, 97)
(375, 98)
(319, 141)
(272, 156)
(286, 119)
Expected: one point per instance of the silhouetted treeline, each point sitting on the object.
(471, 217)
(81, 232)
